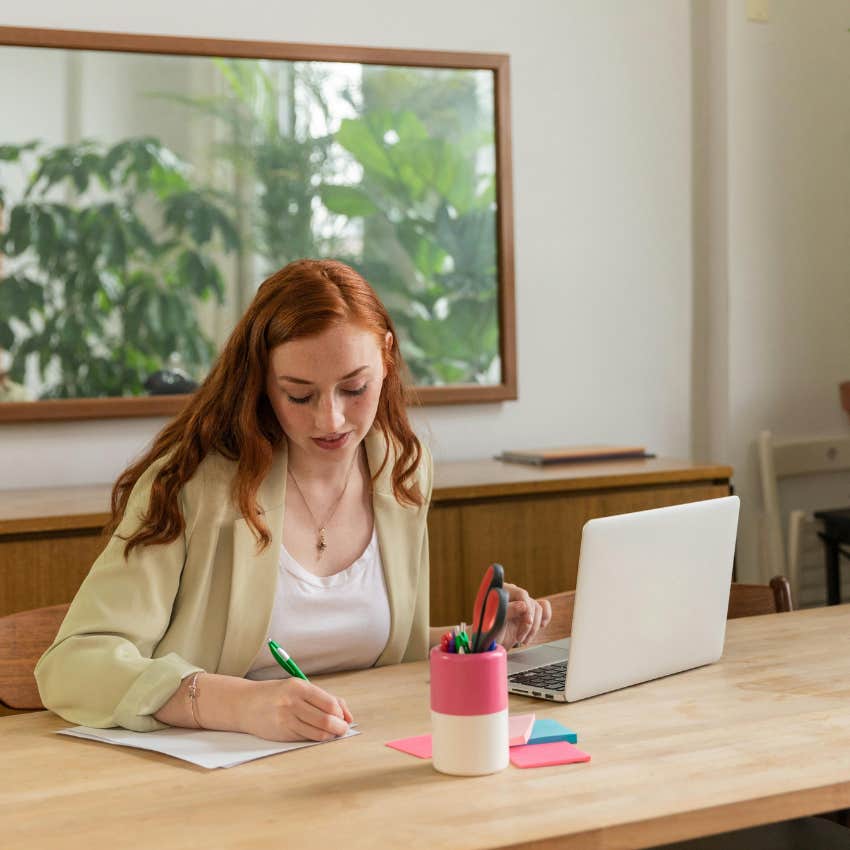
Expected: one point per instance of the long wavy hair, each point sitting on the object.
(230, 412)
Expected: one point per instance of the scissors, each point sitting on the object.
(491, 608)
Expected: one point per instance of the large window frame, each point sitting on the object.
(498, 64)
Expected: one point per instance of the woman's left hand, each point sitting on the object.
(526, 616)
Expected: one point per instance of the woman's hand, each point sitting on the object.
(526, 616)
(294, 710)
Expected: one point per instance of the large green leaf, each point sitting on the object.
(22, 230)
(12, 153)
(19, 295)
(7, 336)
(361, 138)
(200, 275)
(347, 200)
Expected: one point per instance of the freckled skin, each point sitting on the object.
(327, 404)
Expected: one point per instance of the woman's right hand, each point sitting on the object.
(294, 710)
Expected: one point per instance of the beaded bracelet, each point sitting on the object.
(193, 699)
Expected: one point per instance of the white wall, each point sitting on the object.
(602, 158)
(681, 216)
(788, 137)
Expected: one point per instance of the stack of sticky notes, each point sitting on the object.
(534, 743)
(550, 742)
(520, 727)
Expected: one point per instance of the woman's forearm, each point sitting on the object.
(275, 709)
(217, 703)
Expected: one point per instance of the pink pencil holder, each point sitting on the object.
(469, 712)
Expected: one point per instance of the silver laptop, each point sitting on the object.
(651, 599)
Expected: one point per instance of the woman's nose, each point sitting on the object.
(329, 415)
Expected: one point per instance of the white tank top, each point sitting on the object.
(328, 623)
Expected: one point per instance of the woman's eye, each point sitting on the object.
(305, 398)
(358, 391)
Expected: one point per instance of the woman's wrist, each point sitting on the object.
(227, 702)
(220, 702)
(193, 697)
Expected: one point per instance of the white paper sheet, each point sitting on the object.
(199, 746)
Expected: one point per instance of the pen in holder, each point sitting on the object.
(469, 712)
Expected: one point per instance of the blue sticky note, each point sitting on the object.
(547, 731)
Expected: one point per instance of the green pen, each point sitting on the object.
(281, 656)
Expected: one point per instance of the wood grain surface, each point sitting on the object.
(761, 736)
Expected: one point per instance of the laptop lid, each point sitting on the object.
(652, 594)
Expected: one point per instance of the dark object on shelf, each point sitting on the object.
(836, 531)
(170, 382)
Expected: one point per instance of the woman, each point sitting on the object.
(213, 551)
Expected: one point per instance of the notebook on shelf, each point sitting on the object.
(574, 454)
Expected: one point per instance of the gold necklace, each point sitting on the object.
(321, 540)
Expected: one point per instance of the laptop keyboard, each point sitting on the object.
(552, 677)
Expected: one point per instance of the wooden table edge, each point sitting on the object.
(714, 475)
(665, 829)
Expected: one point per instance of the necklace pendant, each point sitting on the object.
(321, 543)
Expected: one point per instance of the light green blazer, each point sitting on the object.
(139, 625)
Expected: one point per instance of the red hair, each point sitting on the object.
(231, 414)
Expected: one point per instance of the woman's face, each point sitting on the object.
(325, 389)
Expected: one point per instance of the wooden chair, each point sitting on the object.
(750, 600)
(745, 600)
(24, 636)
(797, 478)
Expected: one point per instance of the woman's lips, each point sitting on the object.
(334, 442)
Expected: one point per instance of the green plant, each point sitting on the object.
(108, 252)
(277, 157)
(412, 173)
(430, 219)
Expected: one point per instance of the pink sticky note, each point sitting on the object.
(419, 746)
(519, 728)
(543, 755)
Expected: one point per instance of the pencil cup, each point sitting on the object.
(469, 712)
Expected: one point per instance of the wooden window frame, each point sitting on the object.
(498, 63)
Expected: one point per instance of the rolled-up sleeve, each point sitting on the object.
(100, 671)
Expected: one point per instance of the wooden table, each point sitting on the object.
(526, 517)
(761, 736)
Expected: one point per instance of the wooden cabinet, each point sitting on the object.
(527, 518)
(49, 538)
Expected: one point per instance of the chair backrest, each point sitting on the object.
(24, 636)
(750, 600)
(745, 600)
(797, 458)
